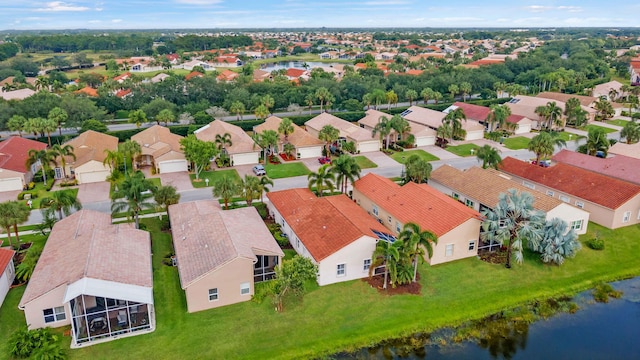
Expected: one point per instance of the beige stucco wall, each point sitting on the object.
(352, 256)
(312, 130)
(33, 310)
(227, 280)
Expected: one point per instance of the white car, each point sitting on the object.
(259, 170)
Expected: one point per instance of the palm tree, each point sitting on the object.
(322, 94)
(268, 102)
(130, 149)
(417, 241)
(261, 112)
(400, 125)
(596, 142)
(346, 169)
(16, 123)
(329, 135)
(322, 180)
(269, 140)
(288, 149)
(426, 94)
(498, 114)
(513, 221)
(286, 128)
(386, 254)
(166, 195)
(384, 128)
(631, 132)
(222, 141)
(62, 201)
(558, 242)
(226, 188)
(237, 107)
(310, 99)
(166, 116)
(453, 90)
(604, 108)
(367, 99)
(63, 151)
(251, 188)
(133, 196)
(43, 157)
(265, 182)
(48, 126)
(13, 213)
(391, 97)
(489, 156)
(544, 144)
(437, 96)
(454, 118)
(59, 116)
(378, 96)
(465, 89)
(112, 158)
(411, 95)
(417, 170)
(137, 117)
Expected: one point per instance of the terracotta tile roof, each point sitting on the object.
(295, 73)
(414, 72)
(484, 185)
(482, 62)
(241, 142)
(590, 186)
(324, 225)
(227, 75)
(158, 141)
(86, 245)
(473, 112)
(89, 91)
(6, 255)
(515, 119)
(91, 146)
(347, 129)
(14, 153)
(299, 138)
(621, 167)
(630, 150)
(206, 238)
(122, 93)
(122, 77)
(584, 100)
(193, 74)
(418, 203)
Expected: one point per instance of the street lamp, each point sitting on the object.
(403, 173)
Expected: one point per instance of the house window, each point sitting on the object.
(297, 243)
(398, 227)
(549, 192)
(469, 203)
(472, 245)
(389, 219)
(448, 250)
(213, 294)
(580, 204)
(528, 184)
(564, 198)
(638, 214)
(626, 216)
(366, 264)
(54, 314)
(375, 210)
(245, 289)
(577, 225)
(456, 196)
(341, 270)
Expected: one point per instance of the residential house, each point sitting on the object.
(306, 145)
(629, 150)
(227, 76)
(90, 149)
(94, 276)
(604, 89)
(261, 75)
(122, 77)
(296, 74)
(587, 103)
(634, 70)
(220, 254)
(332, 231)
(516, 123)
(88, 91)
(160, 78)
(124, 93)
(7, 272)
(189, 65)
(433, 119)
(160, 150)
(14, 152)
(456, 225)
(20, 94)
(243, 149)
(423, 136)
(613, 203)
(193, 74)
(479, 189)
(526, 106)
(348, 132)
(619, 166)
(227, 61)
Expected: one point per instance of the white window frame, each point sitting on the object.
(448, 250)
(57, 314)
(374, 210)
(564, 198)
(626, 216)
(245, 288)
(550, 193)
(297, 243)
(399, 228)
(214, 295)
(577, 224)
(528, 185)
(638, 214)
(472, 245)
(366, 265)
(341, 270)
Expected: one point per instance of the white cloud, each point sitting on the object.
(116, 20)
(55, 6)
(541, 8)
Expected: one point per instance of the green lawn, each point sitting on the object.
(617, 122)
(42, 193)
(364, 162)
(402, 156)
(348, 315)
(213, 176)
(516, 143)
(606, 129)
(464, 149)
(285, 170)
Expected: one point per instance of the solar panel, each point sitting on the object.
(384, 236)
(406, 112)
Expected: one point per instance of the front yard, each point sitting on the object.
(364, 162)
(285, 170)
(516, 142)
(213, 176)
(402, 156)
(41, 192)
(593, 126)
(464, 150)
(617, 122)
(347, 315)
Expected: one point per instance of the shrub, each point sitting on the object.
(595, 243)
(31, 185)
(262, 209)
(25, 343)
(66, 183)
(603, 291)
(282, 240)
(50, 182)
(22, 194)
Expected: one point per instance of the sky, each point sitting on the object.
(211, 14)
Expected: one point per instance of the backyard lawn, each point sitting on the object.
(402, 156)
(617, 122)
(213, 176)
(285, 170)
(347, 315)
(606, 129)
(464, 149)
(364, 162)
(516, 143)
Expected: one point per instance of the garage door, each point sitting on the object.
(245, 159)
(310, 152)
(92, 176)
(11, 184)
(523, 129)
(475, 135)
(368, 146)
(425, 140)
(172, 166)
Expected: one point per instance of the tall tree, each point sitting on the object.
(49, 126)
(453, 90)
(322, 180)
(489, 156)
(166, 195)
(268, 102)
(346, 169)
(604, 109)
(411, 95)
(16, 123)
(400, 125)
(596, 142)
(43, 157)
(455, 118)
(631, 132)
(198, 152)
(498, 114)
(322, 94)
(237, 107)
(130, 149)
(62, 201)
(426, 94)
(133, 196)
(286, 128)
(465, 89)
(291, 277)
(62, 151)
(386, 254)
(329, 135)
(59, 116)
(251, 188)
(261, 112)
(222, 141)
(392, 98)
(265, 182)
(544, 144)
(419, 242)
(558, 242)
(137, 117)
(417, 169)
(513, 221)
(225, 188)
(166, 116)
(384, 127)
(13, 213)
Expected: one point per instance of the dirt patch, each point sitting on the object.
(377, 282)
(286, 157)
(494, 257)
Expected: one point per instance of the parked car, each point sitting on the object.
(259, 170)
(324, 160)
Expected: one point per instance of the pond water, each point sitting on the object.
(294, 64)
(596, 331)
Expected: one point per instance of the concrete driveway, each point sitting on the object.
(180, 180)
(9, 195)
(244, 170)
(93, 192)
(380, 159)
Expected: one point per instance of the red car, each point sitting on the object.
(324, 160)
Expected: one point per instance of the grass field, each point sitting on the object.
(464, 150)
(364, 162)
(213, 176)
(617, 122)
(516, 143)
(42, 193)
(285, 170)
(402, 156)
(348, 315)
(606, 129)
